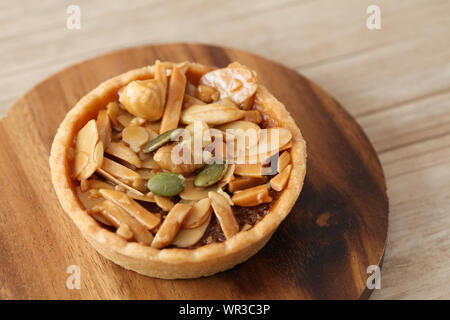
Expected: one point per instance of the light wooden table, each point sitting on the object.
(394, 81)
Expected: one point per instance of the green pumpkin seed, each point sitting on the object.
(166, 184)
(162, 139)
(210, 174)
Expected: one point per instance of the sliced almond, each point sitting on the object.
(80, 162)
(279, 181)
(238, 83)
(183, 66)
(246, 227)
(171, 225)
(144, 156)
(191, 192)
(120, 188)
(199, 132)
(123, 152)
(267, 198)
(104, 128)
(149, 163)
(117, 182)
(272, 139)
(124, 119)
(148, 197)
(97, 155)
(226, 102)
(117, 216)
(253, 116)
(142, 215)
(249, 170)
(161, 76)
(283, 161)
(252, 197)
(286, 146)
(190, 101)
(164, 203)
(165, 160)
(136, 122)
(135, 137)
(124, 231)
(212, 114)
(86, 143)
(188, 237)
(93, 193)
(95, 162)
(199, 138)
(86, 199)
(200, 212)
(207, 94)
(243, 125)
(154, 126)
(175, 97)
(113, 111)
(227, 197)
(221, 151)
(98, 184)
(168, 66)
(224, 214)
(190, 88)
(152, 134)
(241, 183)
(147, 174)
(246, 132)
(101, 219)
(123, 174)
(180, 66)
(229, 175)
(84, 185)
(196, 70)
(270, 142)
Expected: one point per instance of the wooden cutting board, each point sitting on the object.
(337, 228)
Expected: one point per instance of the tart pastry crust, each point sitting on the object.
(171, 263)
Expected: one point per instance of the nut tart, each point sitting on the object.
(178, 170)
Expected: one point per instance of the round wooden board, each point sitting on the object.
(337, 228)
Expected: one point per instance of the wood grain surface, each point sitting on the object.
(337, 228)
(395, 82)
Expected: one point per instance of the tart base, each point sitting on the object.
(170, 263)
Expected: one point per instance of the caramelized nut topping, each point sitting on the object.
(280, 180)
(104, 128)
(252, 197)
(245, 182)
(200, 212)
(145, 217)
(212, 114)
(207, 94)
(123, 152)
(117, 216)
(224, 214)
(188, 237)
(171, 225)
(174, 101)
(186, 141)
